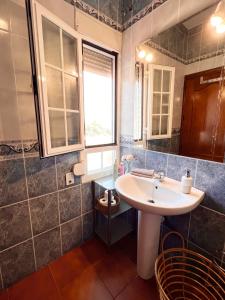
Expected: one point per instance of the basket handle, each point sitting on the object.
(170, 233)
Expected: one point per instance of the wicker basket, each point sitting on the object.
(183, 274)
(105, 209)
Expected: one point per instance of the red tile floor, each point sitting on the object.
(90, 272)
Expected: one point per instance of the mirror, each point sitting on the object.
(180, 99)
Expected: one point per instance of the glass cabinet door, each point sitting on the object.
(59, 59)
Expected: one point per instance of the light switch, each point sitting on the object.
(69, 178)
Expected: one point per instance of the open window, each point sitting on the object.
(99, 80)
(58, 56)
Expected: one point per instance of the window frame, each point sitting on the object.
(150, 69)
(38, 11)
(114, 55)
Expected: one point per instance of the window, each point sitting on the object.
(99, 77)
(59, 67)
(160, 101)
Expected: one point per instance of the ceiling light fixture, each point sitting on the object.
(218, 18)
(149, 57)
(141, 54)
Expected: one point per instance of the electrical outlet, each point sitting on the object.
(69, 178)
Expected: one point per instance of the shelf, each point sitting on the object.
(122, 209)
(107, 182)
(119, 229)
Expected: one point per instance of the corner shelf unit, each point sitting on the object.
(111, 227)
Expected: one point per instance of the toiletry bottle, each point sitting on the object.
(186, 182)
(121, 169)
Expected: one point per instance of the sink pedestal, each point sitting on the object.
(148, 243)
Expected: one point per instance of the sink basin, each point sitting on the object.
(154, 199)
(164, 198)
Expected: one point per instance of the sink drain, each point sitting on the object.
(151, 201)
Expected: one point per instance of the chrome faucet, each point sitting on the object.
(160, 175)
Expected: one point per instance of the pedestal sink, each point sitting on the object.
(153, 200)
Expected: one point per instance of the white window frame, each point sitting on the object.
(103, 148)
(150, 69)
(113, 94)
(38, 11)
(103, 171)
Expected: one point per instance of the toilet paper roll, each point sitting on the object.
(104, 202)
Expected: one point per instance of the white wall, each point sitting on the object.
(86, 25)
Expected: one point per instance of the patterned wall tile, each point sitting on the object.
(93, 3)
(156, 161)
(44, 213)
(87, 197)
(109, 8)
(12, 182)
(139, 5)
(64, 164)
(47, 247)
(88, 226)
(179, 223)
(178, 164)
(17, 262)
(14, 225)
(71, 234)
(41, 176)
(70, 204)
(207, 230)
(210, 178)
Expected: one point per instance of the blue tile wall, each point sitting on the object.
(204, 227)
(39, 215)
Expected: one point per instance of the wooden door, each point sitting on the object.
(203, 117)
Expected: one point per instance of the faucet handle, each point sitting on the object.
(160, 175)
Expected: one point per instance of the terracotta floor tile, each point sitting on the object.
(140, 289)
(67, 267)
(94, 250)
(116, 271)
(38, 286)
(129, 246)
(4, 295)
(87, 286)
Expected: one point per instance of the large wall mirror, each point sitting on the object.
(180, 99)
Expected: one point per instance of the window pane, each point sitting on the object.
(156, 103)
(166, 81)
(57, 128)
(51, 36)
(99, 98)
(165, 99)
(94, 161)
(165, 109)
(108, 159)
(155, 125)
(70, 53)
(73, 128)
(157, 80)
(54, 88)
(71, 91)
(164, 124)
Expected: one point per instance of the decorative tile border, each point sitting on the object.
(87, 8)
(17, 147)
(141, 14)
(182, 60)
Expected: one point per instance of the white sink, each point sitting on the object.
(154, 199)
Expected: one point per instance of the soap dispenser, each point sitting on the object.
(186, 182)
